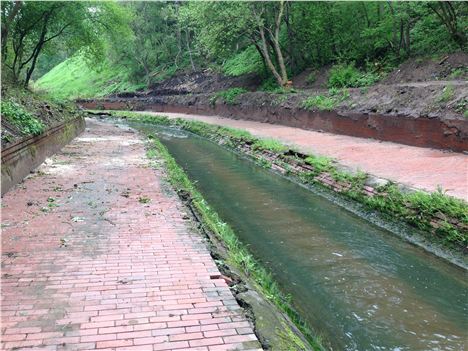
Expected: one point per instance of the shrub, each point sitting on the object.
(348, 76)
(20, 118)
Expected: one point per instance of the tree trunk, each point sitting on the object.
(187, 36)
(279, 54)
(267, 57)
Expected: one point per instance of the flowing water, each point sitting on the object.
(361, 287)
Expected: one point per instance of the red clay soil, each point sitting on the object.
(98, 254)
(420, 168)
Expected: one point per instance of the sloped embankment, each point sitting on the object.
(363, 114)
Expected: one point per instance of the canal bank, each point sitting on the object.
(441, 219)
(363, 286)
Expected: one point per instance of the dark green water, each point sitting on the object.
(360, 286)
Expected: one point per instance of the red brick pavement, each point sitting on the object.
(96, 254)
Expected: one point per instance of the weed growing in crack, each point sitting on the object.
(144, 200)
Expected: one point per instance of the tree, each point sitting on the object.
(448, 14)
(37, 24)
(224, 28)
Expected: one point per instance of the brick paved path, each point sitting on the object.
(89, 263)
(418, 167)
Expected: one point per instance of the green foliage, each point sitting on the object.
(447, 94)
(348, 76)
(320, 163)
(458, 73)
(20, 118)
(419, 208)
(42, 26)
(320, 102)
(229, 96)
(270, 85)
(246, 61)
(269, 144)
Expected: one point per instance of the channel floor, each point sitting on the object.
(98, 253)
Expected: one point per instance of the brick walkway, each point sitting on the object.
(417, 167)
(97, 254)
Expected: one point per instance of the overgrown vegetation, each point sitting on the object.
(320, 102)
(23, 120)
(348, 76)
(274, 39)
(447, 94)
(326, 103)
(238, 254)
(416, 208)
(26, 113)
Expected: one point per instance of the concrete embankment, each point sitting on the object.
(23, 156)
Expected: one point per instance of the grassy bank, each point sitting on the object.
(441, 218)
(75, 78)
(238, 255)
(25, 113)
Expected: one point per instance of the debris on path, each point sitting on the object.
(115, 265)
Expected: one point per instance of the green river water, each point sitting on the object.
(361, 287)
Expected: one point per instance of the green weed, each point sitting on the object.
(320, 102)
(144, 200)
(229, 96)
(238, 254)
(19, 117)
(458, 73)
(447, 94)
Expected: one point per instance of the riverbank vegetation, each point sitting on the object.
(138, 44)
(238, 254)
(441, 218)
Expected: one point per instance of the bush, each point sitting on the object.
(348, 76)
(20, 118)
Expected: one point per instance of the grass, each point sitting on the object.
(74, 78)
(415, 208)
(320, 102)
(326, 103)
(238, 254)
(229, 96)
(447, 94)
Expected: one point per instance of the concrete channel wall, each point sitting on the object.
(23, 156)
(416, 131)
